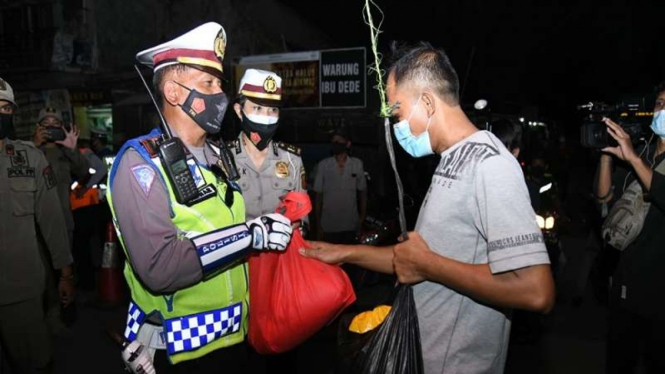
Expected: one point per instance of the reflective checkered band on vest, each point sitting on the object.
(135, 318)
(190, 332)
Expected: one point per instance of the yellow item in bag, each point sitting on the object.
(367, 321)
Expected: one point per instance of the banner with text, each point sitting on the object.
(318, 79)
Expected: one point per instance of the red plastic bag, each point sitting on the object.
(291, 296)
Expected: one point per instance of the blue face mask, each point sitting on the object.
(416, 146)
(658, 123)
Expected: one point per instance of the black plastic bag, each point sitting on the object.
(392, 348)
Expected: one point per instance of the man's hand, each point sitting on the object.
(325, 252)
(408, 255)
(66, 290)
(71, 137)
(41, 135)
(624, 150)
(270, 231)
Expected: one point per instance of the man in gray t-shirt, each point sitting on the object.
(476, 252)
(476, 211)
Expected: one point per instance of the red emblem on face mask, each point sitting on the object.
(198, 105)
(255, 137)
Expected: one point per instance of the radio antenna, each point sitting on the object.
(165, 128)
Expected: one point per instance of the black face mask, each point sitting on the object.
(338, 148)
(206, 110)
(6, 125)
(260, 135)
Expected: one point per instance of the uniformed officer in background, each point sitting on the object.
(58, 142)
(27, 196)
(187, 269)
(268, 169)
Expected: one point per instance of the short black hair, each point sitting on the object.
(423, 63)
(508, 132)
(341, 132)
(158, 80)
(241, 99)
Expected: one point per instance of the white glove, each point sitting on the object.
(270, 231)
(137, 358)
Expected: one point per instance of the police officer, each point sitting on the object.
(187, 269)
(268, 169)
(27, 196)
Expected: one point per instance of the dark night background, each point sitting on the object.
(550, 54)
(541, 58)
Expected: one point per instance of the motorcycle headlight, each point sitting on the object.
(541, 221)
(549, 223)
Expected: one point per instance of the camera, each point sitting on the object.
(631, 115)
(55, 134)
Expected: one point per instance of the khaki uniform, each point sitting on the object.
(28, 195)
(66, 162)
(282, 171)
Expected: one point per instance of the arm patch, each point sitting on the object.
(49, 177)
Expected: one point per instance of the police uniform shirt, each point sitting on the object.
(158, 255)
(66, 162)
(28, 195)
(282, 171)
(339, 188)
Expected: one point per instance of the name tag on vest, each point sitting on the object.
(21, 172)
(205, 193)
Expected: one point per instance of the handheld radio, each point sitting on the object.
(228, 163)
(173, 156)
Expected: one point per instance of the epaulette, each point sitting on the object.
(289, 148)
(150, 145)
(234, 144)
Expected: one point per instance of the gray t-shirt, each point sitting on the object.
(477, 211)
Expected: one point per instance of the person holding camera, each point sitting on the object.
(637, 312)
(58, 143)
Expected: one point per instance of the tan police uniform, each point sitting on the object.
(28, 195)
(282, 171)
